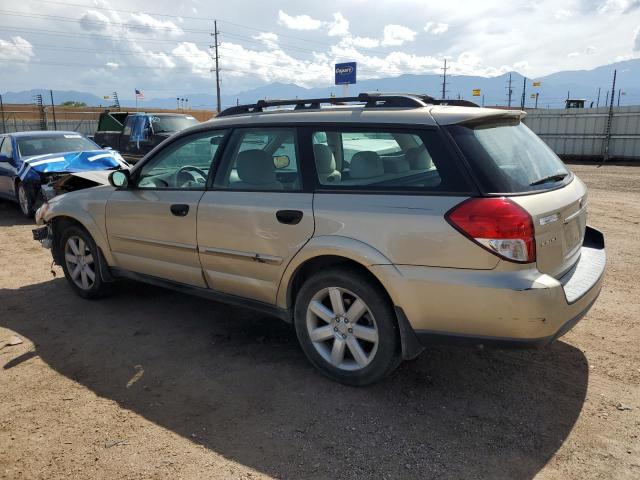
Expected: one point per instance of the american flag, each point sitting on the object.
(139, 94)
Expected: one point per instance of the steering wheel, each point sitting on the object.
(188, 169)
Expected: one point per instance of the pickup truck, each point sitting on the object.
(134, 134)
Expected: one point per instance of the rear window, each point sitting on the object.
(380, 159)
(507, 157)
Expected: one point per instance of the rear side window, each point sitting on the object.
(507, 157)
(374, 159)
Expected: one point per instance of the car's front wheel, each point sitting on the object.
(347, 327)
(80, 262)
(25, 200)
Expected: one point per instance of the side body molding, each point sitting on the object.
(335, 245)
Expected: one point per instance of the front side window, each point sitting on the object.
(260, 159)
(384, 159)
(6, 149)
(184, 164)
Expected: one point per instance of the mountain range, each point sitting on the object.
(552, 92)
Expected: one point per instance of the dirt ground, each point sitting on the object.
(154, 384)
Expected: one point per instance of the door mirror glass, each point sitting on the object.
(281, 161)
(119, 178)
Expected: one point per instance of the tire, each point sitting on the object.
(79, 256)
(25, 200)
(332, 349)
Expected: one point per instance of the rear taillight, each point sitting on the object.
(498, 225)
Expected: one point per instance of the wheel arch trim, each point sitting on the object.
(335, 246)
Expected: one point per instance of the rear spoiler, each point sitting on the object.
(475, 116)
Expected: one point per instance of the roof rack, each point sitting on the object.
(370, 100)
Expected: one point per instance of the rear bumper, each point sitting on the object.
(522, 308)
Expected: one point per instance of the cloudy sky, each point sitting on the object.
(163, 47)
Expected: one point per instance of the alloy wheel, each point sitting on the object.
(80, 262)
(23, 199)
(342, 328)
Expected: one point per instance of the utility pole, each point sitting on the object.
(483, 100)
(217, 58)
(444, 80)
(524, 91)
(598, 101)
(607, 133)
(53, 109)
(537, 95)
(4, 127)
(619, 93)
(607, 99)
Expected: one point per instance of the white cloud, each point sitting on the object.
(563, 14)
(269, 39)
(339, 27)
(590, 50)
(16, 49)
(151, 24)
(365, 42)
(636, 41)
(573, 54)
(300, 22)
(394, 35)
(112, 65)
(436, 28)
(188, 53)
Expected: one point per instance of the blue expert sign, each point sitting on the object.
(345, 73)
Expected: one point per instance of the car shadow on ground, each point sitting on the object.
(237, 383)
(10, 215)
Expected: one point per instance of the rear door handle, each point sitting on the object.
(289, 217)
(180, 209)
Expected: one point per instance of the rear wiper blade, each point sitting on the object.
(556, 177)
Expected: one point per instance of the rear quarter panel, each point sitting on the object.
(406, 229)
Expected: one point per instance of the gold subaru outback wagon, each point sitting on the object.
(376, 225)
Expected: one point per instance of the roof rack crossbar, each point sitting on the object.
(370, 100)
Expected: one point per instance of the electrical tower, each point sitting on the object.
(116, 101)
(524, 91)
(215, 46)
(43, 115)
(509, 92)
(607, 134)
(444, 79)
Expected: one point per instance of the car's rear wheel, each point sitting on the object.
(347, 327)
(81, 263)
(25, 201)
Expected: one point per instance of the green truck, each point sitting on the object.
(134, 134)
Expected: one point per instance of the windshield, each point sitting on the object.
(170, 123)
(507, 157)
(43, 145)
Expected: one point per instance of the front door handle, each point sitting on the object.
(289, 217)
(180, 209)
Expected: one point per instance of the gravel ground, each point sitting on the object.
(154, 384)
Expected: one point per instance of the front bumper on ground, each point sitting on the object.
(521, 308)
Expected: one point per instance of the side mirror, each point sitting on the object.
(281, 161)
(119, 178)
(4, 158)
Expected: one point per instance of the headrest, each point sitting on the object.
(418, 158)
(325, 162)
(255, 167)
(366, 165)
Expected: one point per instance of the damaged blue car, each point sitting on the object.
(31, 160)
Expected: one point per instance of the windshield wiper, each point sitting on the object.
(556, 177)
